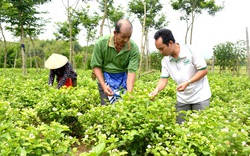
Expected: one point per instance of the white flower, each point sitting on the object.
(86, 136)
(32, 136)
(148, 146)
(54, 109)
(195, 115)
(166, 148)
(205, 117)
(234, 135)
(203, 123)
(235, 152)
(242, 130)
(79, 114)
(225, 130)
(114, 150)
(243, 143)
(161, 125)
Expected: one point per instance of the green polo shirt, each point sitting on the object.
(109, 60)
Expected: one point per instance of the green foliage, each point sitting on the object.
(154, 17)
(191, 9)
(12, 50)
(23, 17)
(63, 30)
(37, 119)
(115, 13)
(229, 55)
(156, 58)
(42, 50)
(139, 126)
(22, 133)
(188, 7)
(89, 22)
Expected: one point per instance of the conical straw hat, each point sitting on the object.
(55, 61)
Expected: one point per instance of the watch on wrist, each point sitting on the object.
(189, 82)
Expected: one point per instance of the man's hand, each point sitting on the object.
(182, 86)
(153, 94)
(108, 91)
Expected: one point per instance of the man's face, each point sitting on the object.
(123, 37)
(163, 48)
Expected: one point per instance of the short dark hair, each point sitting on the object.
(119, 23)
(166, 36)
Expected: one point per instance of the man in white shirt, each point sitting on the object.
(188, 68)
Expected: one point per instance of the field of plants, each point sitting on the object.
(36, 119)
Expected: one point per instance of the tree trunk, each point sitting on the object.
(213, 62)
(192, 28)
(5, 46)
(35, 56)
(104, 17)
(186, 35)
(70, 32)
(23, 59)
(142, 36)
(15, 60)
(30, 58)
(248, 53)
(69, 8)
(146, 49)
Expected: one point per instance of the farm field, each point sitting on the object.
(36, 119)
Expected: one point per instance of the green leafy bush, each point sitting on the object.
(40, 120)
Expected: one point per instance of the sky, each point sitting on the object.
(227, 25)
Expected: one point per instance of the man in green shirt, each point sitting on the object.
(115, 61)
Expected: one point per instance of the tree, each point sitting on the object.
(110, 13)
(23, 20)
(191, 9)
(149, 14)
(90, 23)
(70, 11)
(104, 8)
(2, 17)
(229, 55)
(62, 30)
(113, 15)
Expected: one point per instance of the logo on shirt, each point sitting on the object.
(186, 61)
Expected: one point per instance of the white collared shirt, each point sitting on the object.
(182, 69)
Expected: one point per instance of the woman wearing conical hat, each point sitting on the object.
(61, 68)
